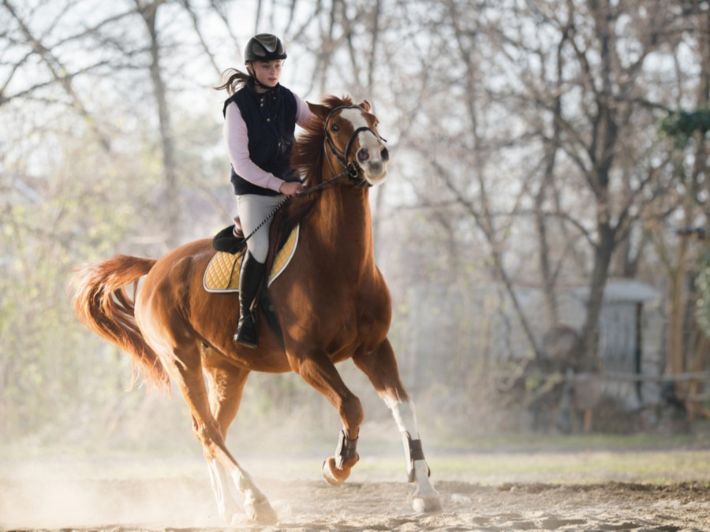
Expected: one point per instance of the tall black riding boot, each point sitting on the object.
(252, 275)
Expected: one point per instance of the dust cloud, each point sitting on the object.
(164, 484)
(478, 491)
(90, 494)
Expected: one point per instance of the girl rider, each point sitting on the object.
(260, 117)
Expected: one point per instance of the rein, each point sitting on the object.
(307, 190)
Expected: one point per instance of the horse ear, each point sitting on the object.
(321, 111)
(366, 106)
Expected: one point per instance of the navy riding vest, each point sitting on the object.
(271, 120)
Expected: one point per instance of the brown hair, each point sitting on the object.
(233, 79)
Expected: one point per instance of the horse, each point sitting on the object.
(331, 303)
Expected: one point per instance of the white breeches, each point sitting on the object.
(253, 209)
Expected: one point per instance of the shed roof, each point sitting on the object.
(622, 290)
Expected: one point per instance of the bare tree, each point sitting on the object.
(194, 18)
(593, 73)
(58, 72)
(148, 12)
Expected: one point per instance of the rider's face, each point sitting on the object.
(267, 72)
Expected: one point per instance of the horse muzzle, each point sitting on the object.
(373, 167)
(375, 172)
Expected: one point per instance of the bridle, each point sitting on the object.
(351, 169)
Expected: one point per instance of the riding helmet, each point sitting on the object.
(264, 47)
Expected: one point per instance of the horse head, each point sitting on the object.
(351, 140)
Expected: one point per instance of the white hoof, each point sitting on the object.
(260, 512)
(329, 475)
(427, 504)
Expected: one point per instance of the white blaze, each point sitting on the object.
(367, 139)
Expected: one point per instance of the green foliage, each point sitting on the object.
(681, 125)
(54, 375)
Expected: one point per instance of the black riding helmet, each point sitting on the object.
(264, 47)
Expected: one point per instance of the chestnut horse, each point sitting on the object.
(332, 303)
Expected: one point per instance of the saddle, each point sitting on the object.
(222, 272)
(230, 239)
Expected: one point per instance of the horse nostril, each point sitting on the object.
(385, 154)
(375, 167)
(362, 155)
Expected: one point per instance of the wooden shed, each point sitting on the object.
(630, 337)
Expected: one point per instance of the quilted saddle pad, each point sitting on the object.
(222, 273)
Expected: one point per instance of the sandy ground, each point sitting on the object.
(478, 494)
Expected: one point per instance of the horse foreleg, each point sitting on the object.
(320, 373)
(226, 387)
(192, 386)
(380, 366)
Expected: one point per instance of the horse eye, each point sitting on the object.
(335, 127)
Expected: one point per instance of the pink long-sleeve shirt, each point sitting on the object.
(237, 139)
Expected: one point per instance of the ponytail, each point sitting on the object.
(235, 79)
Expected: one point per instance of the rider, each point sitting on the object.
(260, 117)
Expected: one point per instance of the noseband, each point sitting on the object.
(351, 168)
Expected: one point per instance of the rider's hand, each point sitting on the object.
(290, 188)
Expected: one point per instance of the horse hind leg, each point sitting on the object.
(320, 373)
(192, 386)
(225, 393)
(380, 366)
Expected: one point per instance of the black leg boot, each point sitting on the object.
(252, 275)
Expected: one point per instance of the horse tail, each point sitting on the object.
(103, 304)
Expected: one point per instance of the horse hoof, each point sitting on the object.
(426, 505)
(261, 512)
(332, 475)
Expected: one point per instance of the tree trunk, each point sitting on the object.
(675, 362)
(589, 339)
(172, 232)
(552, 317)
(602, 152)
(704, 103)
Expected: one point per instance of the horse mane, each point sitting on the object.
(308, 152)
(307, 160)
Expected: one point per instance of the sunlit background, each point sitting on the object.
(543, 228)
